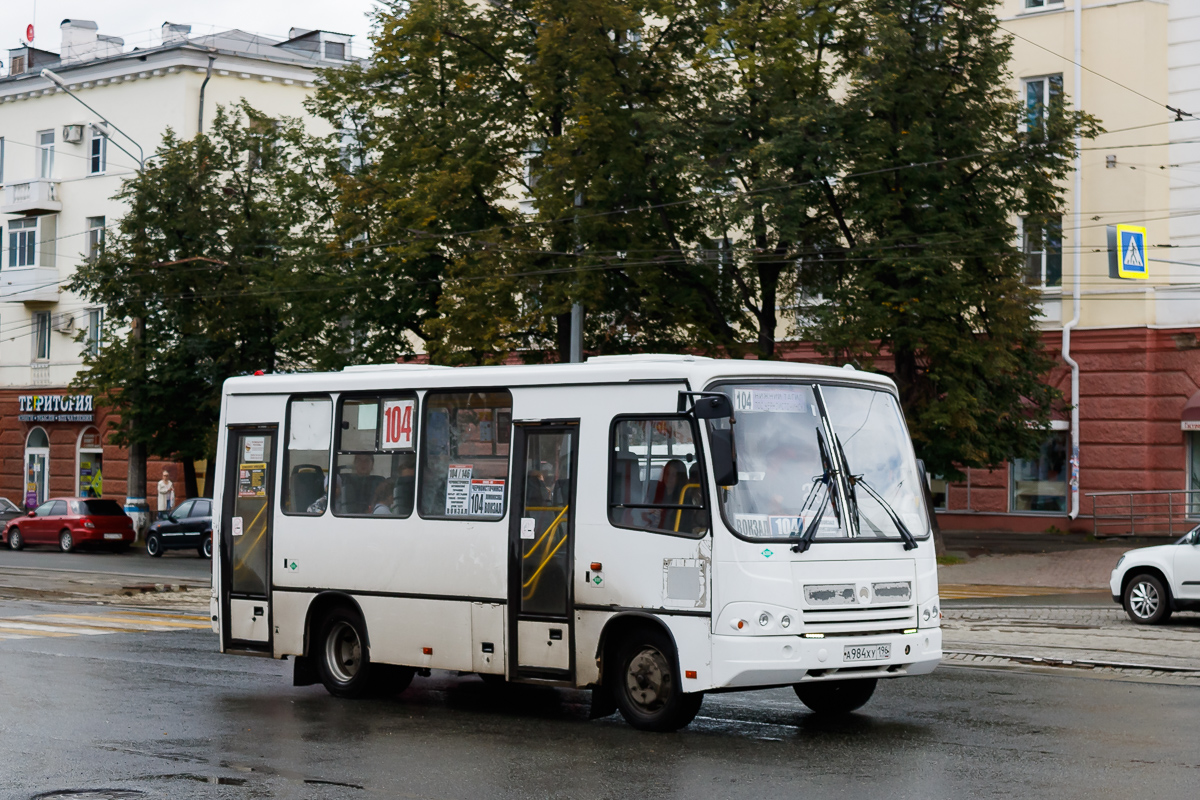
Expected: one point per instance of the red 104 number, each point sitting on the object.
(397, 420)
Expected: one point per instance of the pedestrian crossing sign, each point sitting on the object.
(1127, 252)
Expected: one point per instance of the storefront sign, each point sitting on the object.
(55, 408)
(1191, 424)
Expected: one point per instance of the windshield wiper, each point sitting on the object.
(823, 480)
(910, 541)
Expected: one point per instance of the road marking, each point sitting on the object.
(59, 625)
(962, 591)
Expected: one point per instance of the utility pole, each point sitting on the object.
(135, 483)
(576, 333)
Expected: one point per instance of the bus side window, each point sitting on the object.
(655, 479)
(306, 459)
(464, 455)
(375, 469)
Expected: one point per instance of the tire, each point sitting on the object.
(15, 540)
(834, 698)
(342, 655)
(205, 550)
(154, 545)
(646, 685)
(1147, 601)
(66, 542)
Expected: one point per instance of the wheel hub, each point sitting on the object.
(343, 652)
(1144, 600)
(648, 679)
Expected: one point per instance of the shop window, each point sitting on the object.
(90, 457)
(1193, 484)
(1040, 483)
(375, 472)
(37, 466)
(655, 478)
(939, 487)
(464, 454)
(306, 459)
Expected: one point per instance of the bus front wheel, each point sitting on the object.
(836, 697)
(341, 654)
(646, 685)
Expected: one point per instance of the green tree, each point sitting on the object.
(927, 284)
(218, 266)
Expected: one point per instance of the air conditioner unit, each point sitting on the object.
(63, 323)
(72, 134)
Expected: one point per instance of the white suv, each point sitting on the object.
(1151, 582)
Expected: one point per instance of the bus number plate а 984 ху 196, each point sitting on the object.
(875, 652)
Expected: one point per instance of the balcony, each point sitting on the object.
(38, 196)
(29, 285)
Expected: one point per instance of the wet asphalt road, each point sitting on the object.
(164, 715)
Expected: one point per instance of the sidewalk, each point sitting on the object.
(1072, 569)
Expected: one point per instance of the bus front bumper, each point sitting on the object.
(745, 661)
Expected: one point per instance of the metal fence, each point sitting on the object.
(1150, 513)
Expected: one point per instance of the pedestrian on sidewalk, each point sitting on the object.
(166, 495)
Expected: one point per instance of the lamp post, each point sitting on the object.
(135, 483)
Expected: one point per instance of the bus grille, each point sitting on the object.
(860, 619)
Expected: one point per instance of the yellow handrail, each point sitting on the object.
(682, 492)
(547, 532)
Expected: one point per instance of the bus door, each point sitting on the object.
(541, 550)
(249, 506)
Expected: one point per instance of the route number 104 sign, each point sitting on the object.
(398, 424)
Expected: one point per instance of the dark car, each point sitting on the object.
(72, 522)
(187, 525)
(8, 510)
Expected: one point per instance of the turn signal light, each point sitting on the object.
(690, 673)
(738, 624)
(597, 566)
(427, 651)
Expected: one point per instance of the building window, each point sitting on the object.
(1042, 94)
(376, 465)
(37, 467)
(98, 155)
(335, 51)
(655, 479)
(464, 454)
(1040, 483)
(1043, 252)
(1193, 483)
(89, 456)
(306, 459)
(95, 317)
(22, 242)
(939, 488)
(95, 237)
(1, 160)
(41, 335)
(46, 153)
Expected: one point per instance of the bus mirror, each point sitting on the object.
(711, 405)
(724, 456)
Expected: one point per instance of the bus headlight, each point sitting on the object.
(764, 619)
(929, 614)
(785, 621)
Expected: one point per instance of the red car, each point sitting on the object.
(71, 522)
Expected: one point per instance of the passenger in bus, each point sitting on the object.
(670, 484)
(353, 492)
(383, 499)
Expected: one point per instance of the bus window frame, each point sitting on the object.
(714, 385)
(286, 460)
(700, 458)
(508, 471)
(379, 396)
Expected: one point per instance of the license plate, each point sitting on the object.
(112, 536)
(874, 652)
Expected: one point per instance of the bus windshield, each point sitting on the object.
(791, 471)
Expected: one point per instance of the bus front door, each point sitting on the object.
(246, 538)
(541, 551)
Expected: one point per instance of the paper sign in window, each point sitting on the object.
(397, 431)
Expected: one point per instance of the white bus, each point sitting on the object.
(650, 527)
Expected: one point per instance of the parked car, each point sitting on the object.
(188, 525)
(8, 510)
(72, 522)
(1152, 582)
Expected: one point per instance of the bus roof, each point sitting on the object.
(698, 371)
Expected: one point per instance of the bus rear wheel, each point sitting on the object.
(342, 657)
(646, 685)
(836, 697)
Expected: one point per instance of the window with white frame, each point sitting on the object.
(1031, 5)
(97, 154)
(1042, 94)
(95, 317)
(41, 336)
(1042, 245)
(1193, 483)
(95, 237)
(22, 242)
(46, 154)
(1, 160)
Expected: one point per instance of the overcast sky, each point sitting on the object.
(138, 21)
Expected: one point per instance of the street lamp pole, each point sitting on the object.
(135, 483)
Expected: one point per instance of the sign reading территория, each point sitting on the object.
(55, 408)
